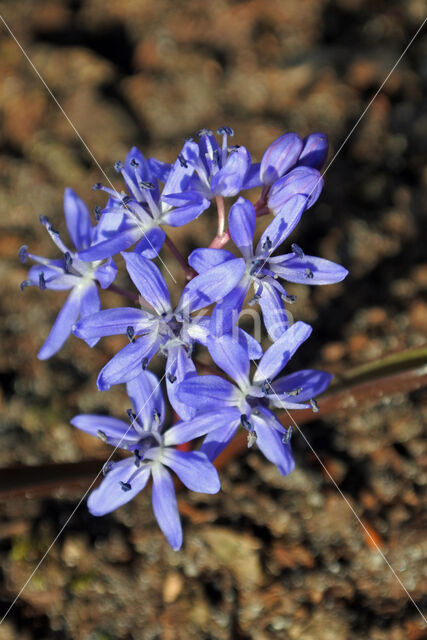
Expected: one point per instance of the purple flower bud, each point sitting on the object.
(279, 157)
(315, 151)
(301, 180)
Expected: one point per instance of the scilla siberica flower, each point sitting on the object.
(222, 406)
(70, 272)
(153, 455)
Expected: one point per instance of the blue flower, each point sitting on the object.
(262, 271)
(153, 454)
(160, 327)
(139, 217)
(222, 406)
(70, 272)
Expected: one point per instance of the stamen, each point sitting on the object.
(182, 161)
(294, 392)
(107, 468)
(171, 378)
(266, 386)
(102, 435)
(44, 220)
(252, 438)
(255, 266)
(156, 416)
(68, 262)
(97, 212)
(138, 458)
(287, 297)
(297, 250)
(134, 163)
(314, 405)
(125, 200)
(23, 253)
(203, 132)
(118, 166)
(131, 415)
(24, 284)
(309, 274)
(126, 486)
(147, 185)
(267, 244)
(233, 148)
(42, 281)
(228, 131)
(130, 332)
(97, 186)
(257, 296)
(144, 363)
(288, 435)
(245, 422)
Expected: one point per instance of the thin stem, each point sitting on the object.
(220, 205)
(122, 292)
(189, 272)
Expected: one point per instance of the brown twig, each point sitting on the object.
(189, 272)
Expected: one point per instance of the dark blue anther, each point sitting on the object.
(68, 262)
(107, 468)
(215, 158)
(102, 435)
(126, 486)
(134, 162)
(266, 386)
(97, 186)
(42, 281)
(125, 200)
(130, 332)
(24, 284)
(138, 458)
(97, 211)
(171, 378)
(228, 131)
(255, 266)
(147, 185)
(309, 274)
(144, 363)
(288, 435)
(118, 166)
(267, 244)
(245, 422)
(286, 297)
(22, 253)
(234, 147)
(297, 250)
(131, 415)
(182, 161)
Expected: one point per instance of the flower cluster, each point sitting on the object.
(210, 408)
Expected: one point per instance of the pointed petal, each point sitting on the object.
(106, 273)
(279, 157)
(179, 366)
(203, 259)
(77, 219)
(193, 469)
(182, 170)
(279, 354)
(206, 393)
(165, 506)
(269, 441)
(253, 178)
(118, 242)
(241, 222)
(226, 313)
(146, 396)
(231, 357)
(110, 322)
(274, 313)
(61, 328)
(188, 206)
(216, 441)
(250, 345)
(151, 242)
(110, 495)
(127, 363)
(229, 180)
(115, 430)
(315, 151)
(300, 181)
(282, 225)
(149, 281)
(311, 381)
(211, 285)
(200, 425)
(309, 270)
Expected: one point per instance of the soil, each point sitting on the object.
(268, 557)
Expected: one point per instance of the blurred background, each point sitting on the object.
(268, 557)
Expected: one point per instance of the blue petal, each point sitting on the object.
(127, 363)
(110, 322)
(253, 178)
(216, 441)
(231, 357)
(279, 157)
(200, 425)
(149, 281)
(203, 259)
(269, 441)
(193, 469)
(301, 180)
(110, 495)
(159, 169)
(311, 381)
(308, 270)
(188, 206)
(229, 180)
(61, 328)
(150, 244)
(181, 172)
(227, 312)
(279, 354)
(251, 346)
(211, 285)
(208, 393)
(274, 313)
(106, 273)
(115, 430)
(165, 507)
(180, 366)
(90, 304)
(282, 225)
(146, 396)
(55, 280)
(241, 223)
(77, 218)
(107, 248)
(315, 151)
